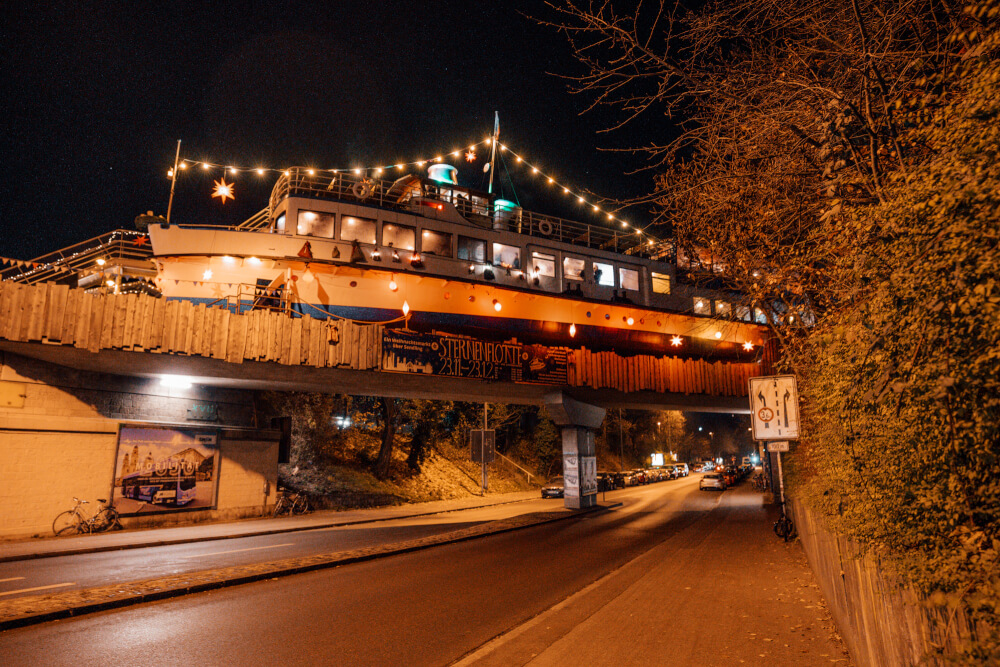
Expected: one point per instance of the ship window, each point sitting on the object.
(471, 250)
(312, 223)
(759, 316)
(723, 309)
(629, 278)
(573, 269)
(361, 230)
(506, 255)
(543, 265)
(398, 236)
(279, 224)
(702, 306)
(661, 283)
(435, 243)
(604, 274)
(743, 313)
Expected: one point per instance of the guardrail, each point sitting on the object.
(121, 244)
(522, 469)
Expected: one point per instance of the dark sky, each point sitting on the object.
(96, 95)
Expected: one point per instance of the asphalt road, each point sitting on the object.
(430, 607)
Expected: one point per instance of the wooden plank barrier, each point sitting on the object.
(57, 315)
(607, 370)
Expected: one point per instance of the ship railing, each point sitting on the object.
(121, 245)
(259, 220)
(248, 297)
(376, 191)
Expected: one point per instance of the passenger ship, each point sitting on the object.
(429, 254)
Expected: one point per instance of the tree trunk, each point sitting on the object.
(389, 412)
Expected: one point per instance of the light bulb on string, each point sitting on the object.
(392, 284)
(497, 306)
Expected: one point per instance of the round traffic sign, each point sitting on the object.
(765, 414)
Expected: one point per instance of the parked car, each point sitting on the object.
(553, 488)
(618, 479)
(681, 469)
(713, 480)
(605, 482)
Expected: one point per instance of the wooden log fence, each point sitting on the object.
(57, 315)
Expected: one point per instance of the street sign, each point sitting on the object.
(483, 443)
(777, 446)
(774, 407)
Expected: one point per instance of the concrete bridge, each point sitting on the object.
(75, 367)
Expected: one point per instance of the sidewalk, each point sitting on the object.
(47, 547)
(691, 600)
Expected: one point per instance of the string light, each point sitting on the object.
(497, 306)
(519, 159)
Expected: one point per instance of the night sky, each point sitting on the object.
(96, 95)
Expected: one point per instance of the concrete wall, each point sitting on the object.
(882, 623)
(59, 435)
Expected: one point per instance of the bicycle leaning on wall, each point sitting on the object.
(74, 521)
(291, 503)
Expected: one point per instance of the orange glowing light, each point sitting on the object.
(223, 190)
(676, 341)
(748, 346)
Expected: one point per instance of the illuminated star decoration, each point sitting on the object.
(223, 190)
(676, 341)
(470, 155)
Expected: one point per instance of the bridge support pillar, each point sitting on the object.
(577, 422)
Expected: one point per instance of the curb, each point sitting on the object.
(257, 533)
(286, 568)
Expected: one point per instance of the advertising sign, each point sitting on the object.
(571, 475)
(588, 475)
(656, 459)
(774, 407)
(165, 469)
(406, 351)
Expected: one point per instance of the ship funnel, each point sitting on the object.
(505, 214)
(443, 173)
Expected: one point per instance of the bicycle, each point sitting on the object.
(297, 503)
(783, 527)
(73, 521)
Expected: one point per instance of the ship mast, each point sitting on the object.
(493, 150)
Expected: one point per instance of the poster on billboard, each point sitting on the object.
(165, 469)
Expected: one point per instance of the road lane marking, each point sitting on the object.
(38, 588)
(11, 579)
(236, 551)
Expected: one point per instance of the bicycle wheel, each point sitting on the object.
(105, 520)
(281, 507)
(67, 523)
(300, 505)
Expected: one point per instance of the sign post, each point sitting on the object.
(483, 450)
(774, 412)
